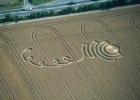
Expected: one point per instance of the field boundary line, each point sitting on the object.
(69, 21)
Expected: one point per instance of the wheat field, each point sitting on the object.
(89, 56)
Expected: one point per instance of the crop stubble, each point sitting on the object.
(87, 79)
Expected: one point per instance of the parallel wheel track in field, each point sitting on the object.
(61, 39)
(65, 45)
(34, 38)
(116, 75)
(6, 87)
(131, 21)
(100, 52)
(56, 38)
(25, 70)
(118, 78)
(120, 43)
(83, 31)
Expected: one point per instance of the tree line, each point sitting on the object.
(69, 10)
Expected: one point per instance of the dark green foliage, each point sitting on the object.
(67, 11)
(38, 15)
(1, 20)
(132, 1)
(8, 18)
(16, 18)
(87, 8)
(52, 13)
(38, 2)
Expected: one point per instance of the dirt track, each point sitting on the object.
(94, 56)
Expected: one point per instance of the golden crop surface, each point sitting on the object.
(89, 56)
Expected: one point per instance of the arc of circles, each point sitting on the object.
(56, 62)
(91, 50)
(30, 59)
